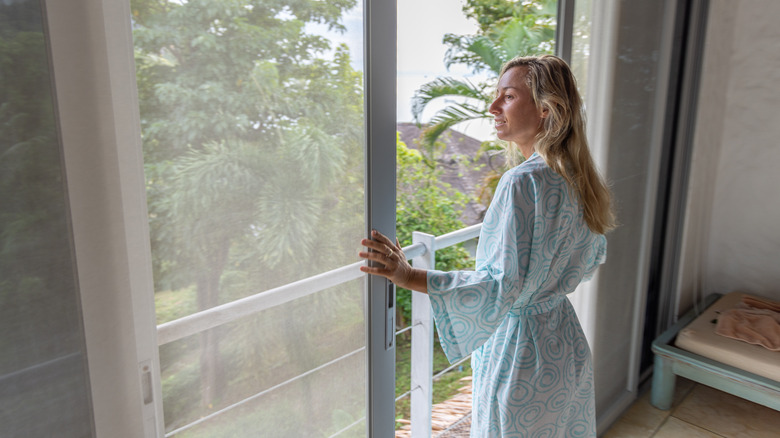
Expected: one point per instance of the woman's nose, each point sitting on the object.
(493, 108)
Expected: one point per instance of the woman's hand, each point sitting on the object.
(393, 263)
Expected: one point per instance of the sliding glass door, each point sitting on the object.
(254, 134)
(224, 159)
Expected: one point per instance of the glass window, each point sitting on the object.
(44, 387)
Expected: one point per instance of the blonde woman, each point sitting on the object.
(542, 235)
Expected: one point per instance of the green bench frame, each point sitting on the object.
(671, 362)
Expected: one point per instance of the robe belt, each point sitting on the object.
(537, 308)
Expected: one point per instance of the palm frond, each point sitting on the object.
(491, 54)
(451, 116)
(445, 87)
(317, 154)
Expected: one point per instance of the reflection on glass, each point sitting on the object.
(581, 44)
(252, 122)
(43, 379)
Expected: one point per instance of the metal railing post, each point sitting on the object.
(422, 345)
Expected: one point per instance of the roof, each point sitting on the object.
(460, 174)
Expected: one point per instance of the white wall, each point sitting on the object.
(732, 230)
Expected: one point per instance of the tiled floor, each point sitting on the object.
(697, 411)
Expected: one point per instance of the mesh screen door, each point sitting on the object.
(252, 116)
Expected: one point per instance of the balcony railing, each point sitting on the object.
(422, 253)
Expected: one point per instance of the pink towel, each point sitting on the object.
(756, 321)
(760, 303)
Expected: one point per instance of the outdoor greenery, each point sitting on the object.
(253, 137)
(506, 29)
(238, 101)
(443, 388)
(426, 204)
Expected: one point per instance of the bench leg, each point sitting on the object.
(663, 384)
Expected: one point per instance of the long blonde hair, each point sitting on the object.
(562, 142)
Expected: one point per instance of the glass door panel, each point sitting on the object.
(252, 117)
(44, 382)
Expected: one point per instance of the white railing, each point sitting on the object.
(422, 253)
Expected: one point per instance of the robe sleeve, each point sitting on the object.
(468, 306)
(598, 258)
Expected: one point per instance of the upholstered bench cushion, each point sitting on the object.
(699, 337)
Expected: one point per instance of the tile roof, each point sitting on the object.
(461, 175)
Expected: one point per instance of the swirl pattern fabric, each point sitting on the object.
(532, 369)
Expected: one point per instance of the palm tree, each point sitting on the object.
(528, 31)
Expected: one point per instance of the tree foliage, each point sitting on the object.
(506, 29)
(236, 99)
(488, 13)
(429, 205)
(252, 132)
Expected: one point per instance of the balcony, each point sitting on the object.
(697, 410)
(422, 253)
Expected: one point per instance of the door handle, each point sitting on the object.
(389, 315)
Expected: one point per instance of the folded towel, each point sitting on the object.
(757, 322)
(760, 303)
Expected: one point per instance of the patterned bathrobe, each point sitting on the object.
(533, 375)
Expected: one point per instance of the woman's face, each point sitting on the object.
(516, 117)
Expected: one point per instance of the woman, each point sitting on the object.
(542, 235)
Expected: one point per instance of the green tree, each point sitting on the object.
(507, 29)
(237, 101)
(426, 204)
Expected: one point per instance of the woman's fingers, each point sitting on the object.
(389, 259)
(376, 242)
(390, 247)
(382, 259)
(375, 257)
(375, 271)
(388, 255)
(381, 244)
(379, 237)
(377, 247)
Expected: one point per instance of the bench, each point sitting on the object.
(736, 367)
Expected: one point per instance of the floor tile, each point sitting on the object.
(682, 388)
(728, 415)
(642, 419)
(675, 428)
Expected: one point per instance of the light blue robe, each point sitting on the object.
(532, 370)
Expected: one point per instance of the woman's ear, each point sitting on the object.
(545, 112)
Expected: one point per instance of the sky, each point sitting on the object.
(421, 27)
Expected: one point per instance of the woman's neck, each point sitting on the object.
(526, 150)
